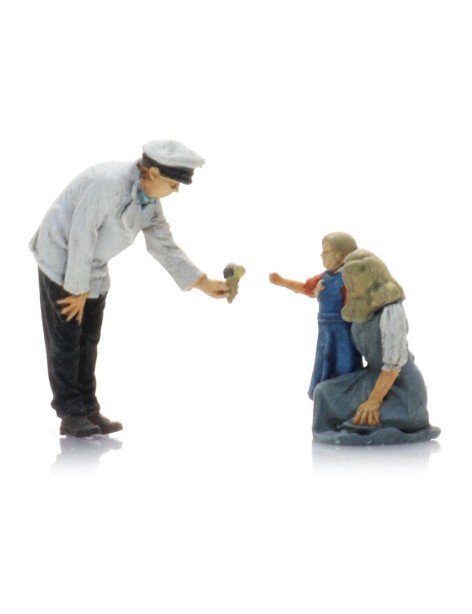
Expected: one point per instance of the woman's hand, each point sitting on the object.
(367, 413)
(74, 306)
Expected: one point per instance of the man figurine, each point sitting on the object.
(97, 216)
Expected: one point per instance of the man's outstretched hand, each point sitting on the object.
(212, 287)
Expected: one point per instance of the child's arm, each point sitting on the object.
(314, 286)
(290, 284)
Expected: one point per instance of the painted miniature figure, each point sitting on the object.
(335, 351)
(97, 216)
(385, 402)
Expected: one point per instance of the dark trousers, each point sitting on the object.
(71, 350)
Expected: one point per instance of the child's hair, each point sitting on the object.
(341, 242)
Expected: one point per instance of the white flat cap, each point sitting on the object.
(173, 159)
(172, 153)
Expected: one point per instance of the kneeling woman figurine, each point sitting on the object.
(384, 402)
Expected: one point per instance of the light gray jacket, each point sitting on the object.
(96, 217)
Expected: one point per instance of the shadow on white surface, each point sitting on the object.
(392, 459)
(82, 456)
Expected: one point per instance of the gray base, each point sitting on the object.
(351, 435)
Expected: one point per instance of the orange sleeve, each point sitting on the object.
(311, 284)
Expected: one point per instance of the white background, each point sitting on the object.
(313, 117)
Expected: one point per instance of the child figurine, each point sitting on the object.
(335, 351)
(97, 216)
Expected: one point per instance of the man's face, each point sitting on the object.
(332, 259)
(158, 186)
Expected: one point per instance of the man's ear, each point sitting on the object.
(154, 173)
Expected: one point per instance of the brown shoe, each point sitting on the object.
(106, 426)
(78, 426)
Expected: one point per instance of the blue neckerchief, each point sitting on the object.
(143, 197)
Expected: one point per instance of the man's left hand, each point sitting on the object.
(74, 305)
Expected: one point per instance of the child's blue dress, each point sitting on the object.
(336, 353)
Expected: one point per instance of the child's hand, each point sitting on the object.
(276, 279)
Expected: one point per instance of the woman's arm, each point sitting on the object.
(369, 411)
(393, 331)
